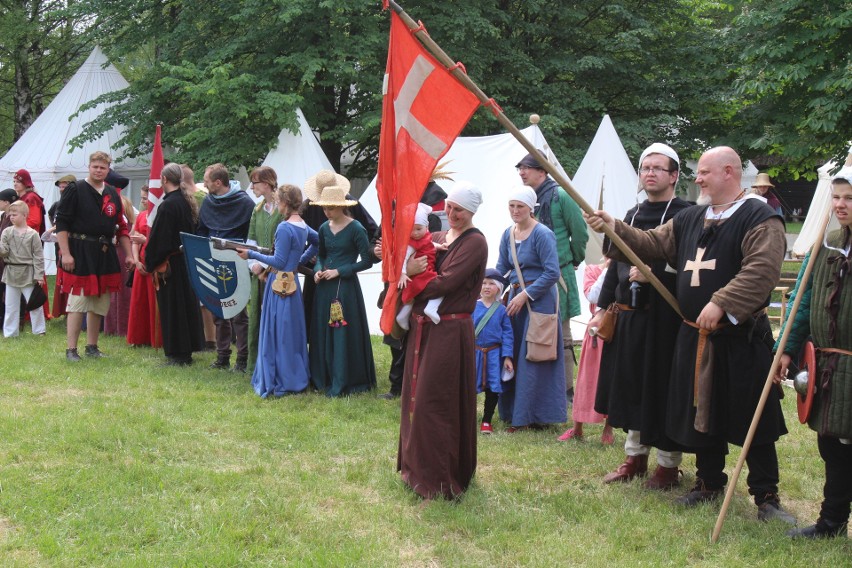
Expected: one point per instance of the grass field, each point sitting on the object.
(120, 462)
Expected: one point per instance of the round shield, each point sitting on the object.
(808, 364)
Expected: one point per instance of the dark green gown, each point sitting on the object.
(342, 357)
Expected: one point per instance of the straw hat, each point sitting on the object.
(762, 181)
(328, 189)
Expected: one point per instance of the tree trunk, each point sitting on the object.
(23, 96)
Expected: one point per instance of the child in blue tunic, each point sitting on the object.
(494, 343)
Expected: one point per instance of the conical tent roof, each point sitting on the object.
(44, 148)
(298, 156)
(606, 180)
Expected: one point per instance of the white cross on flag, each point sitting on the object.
(155, 191)
(425, 108)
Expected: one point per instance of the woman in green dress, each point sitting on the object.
(341, 355)
(264, 221)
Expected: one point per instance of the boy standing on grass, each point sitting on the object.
(21, 248)
(494, 344)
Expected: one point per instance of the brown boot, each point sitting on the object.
(632, 467)
(663, 479)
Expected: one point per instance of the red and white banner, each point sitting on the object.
(424, 110)
(155, 191)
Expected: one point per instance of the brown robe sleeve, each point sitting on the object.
(763, 250)
(655, 244)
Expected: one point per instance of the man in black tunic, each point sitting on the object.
(635, 367)
(728, 252)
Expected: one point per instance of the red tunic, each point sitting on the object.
(35, 220)
(422, 247)
(143, 326)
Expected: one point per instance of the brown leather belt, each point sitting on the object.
(626, 308)
(485, 351)
(834, 350)
(518, 285)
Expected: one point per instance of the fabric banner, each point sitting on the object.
(424, 110)
(155, 191)
(220, 278)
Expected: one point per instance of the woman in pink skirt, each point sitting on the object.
(583, 410)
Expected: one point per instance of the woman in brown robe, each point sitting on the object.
(437, 434)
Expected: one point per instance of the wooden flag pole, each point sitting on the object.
(459, 74)
(764, 395)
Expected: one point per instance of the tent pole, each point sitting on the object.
(445, 60)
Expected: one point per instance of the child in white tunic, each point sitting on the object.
(21, 248)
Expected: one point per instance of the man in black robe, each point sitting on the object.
(728, 252)
(634, 374)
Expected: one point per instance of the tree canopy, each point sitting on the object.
(768, 78)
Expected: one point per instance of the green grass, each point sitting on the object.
(119, 462)
(794, 228)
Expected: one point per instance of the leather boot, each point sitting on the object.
(221, 363)
(632, 467)
(822, 529)
(663, 478)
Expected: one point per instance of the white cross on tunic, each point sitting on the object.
(695, 266)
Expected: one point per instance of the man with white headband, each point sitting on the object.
(561, 215)
(728, 256)
(635, 367)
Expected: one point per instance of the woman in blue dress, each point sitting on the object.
(341, 352)
(282, 365)
(536, 396)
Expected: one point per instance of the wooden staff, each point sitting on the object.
(764, 395)
(439, 54)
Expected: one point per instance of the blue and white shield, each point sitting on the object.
(220, 278)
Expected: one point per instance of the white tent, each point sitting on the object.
(606, 180)
(487, 161)
(298, 156)
(820, 204)
(44, 148)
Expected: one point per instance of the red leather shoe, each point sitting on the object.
(486, 428)
(570, 434)
(633, 466)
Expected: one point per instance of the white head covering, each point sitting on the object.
(421, 217)
(525, 195)
(466, 195)
(659, 148)
(844, 173)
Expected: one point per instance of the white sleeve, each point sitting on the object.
(595, 291)
(408, 252)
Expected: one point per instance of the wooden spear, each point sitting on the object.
(764, 395)
(439, 54)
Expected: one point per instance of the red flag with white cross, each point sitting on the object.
(155, 191)
(424, 110)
